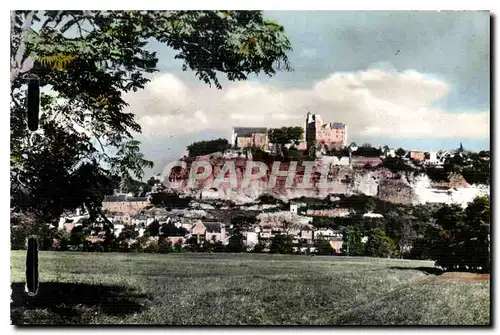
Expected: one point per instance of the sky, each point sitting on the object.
(417, 80)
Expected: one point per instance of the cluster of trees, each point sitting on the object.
(367, 150)
(454, 237)
(459, 239)
(284, 136)
(339, 152)
(378, 243)
(398, 164)
(202, 148)
(169, 200)
(474, 166)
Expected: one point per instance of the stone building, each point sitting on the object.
(324, 135)
(209, 231)
(123, 204)
(250, 137)
(417, 155)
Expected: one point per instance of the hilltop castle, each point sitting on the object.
(316, 133)
(324, 135)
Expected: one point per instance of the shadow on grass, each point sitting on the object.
(426, 270)
(72, 303)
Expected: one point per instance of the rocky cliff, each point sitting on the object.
(225, 179)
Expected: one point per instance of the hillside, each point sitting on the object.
(327, 176)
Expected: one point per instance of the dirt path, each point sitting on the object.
(459, 276)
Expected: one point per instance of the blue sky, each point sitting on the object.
(446, 54)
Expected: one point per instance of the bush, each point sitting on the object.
(164, 246)
(352, 245)
(397, 164)
(178, 246)
(367, 150)
(324, 247)
(267, 199)
(123, 246)
(281, 244)
(259, 247)
(236, 243)
(152, 247)
(437, 174)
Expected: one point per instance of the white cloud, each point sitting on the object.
(372, 102)
(308, 53)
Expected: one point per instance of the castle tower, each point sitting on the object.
(310, 129)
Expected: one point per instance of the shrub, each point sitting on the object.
(164, 246)
(281, 244)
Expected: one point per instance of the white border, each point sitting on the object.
(191, 4)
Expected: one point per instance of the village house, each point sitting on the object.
(208, 231)
(327, 234)
(69, 223)
(250, 137)
(306, 233)
(124, 218)
(215, 231)
(417, 155)
(433, 159)
(251, 238)
(334, 237)
(140, 220)
(265, 232)
(336, 243)
(125, 204)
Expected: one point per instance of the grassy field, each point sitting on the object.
(245, 289)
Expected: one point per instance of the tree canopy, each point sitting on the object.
(379, 244)
(86, 61)
(202, 148)
(461, 240)
(285, 135)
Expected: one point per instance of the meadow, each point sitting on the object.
(245, 289)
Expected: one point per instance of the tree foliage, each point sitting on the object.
(236, 242)
(89, 60)
(281, 244)
(285, 135)
(400, 152)
(352, 244)
(202, 148)
(154, 228)
(461, 238)
(169, 229)
(367, 150)
(379, 244)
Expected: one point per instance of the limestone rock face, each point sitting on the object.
(224, 179)
(397, 191)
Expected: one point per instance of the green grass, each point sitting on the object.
(242, 289)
